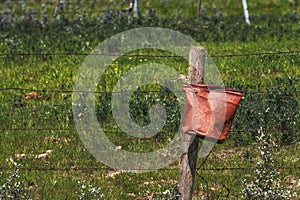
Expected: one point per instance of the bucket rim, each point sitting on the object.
(212, 87)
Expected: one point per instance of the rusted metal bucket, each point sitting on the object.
(209, 110)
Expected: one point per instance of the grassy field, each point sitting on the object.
(37, 78)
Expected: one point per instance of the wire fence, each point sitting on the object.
(22, 129)
(69, 168)
(47, 90)
(10, 128)
(110, 131)
(104, 92)
(278, 53)
(164, 169)
(164, 3)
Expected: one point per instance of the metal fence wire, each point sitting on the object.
(282, 108)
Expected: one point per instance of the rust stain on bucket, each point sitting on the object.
(209, 110)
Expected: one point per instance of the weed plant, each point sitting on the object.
(88, 191)
(265, 184)
(12, 188)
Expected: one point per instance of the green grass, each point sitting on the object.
(48, 116)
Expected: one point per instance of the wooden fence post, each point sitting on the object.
(190, 143)
(199, 9)
(56, 8)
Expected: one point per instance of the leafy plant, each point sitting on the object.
(88, 191)
(265, 183)
(12, 188)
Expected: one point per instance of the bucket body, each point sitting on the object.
(209, 110)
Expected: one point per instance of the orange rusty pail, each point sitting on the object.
(209, 110)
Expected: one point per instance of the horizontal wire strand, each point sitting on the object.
(245, 92)
(117, 132)
(164, 169)
(150, 56)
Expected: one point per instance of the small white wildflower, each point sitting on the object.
(166, 192)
